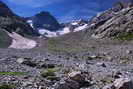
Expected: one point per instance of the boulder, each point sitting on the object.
(76, 76)
(123, 83)
(101, 64)
(109, 86)
(26, 61)
(69, 84)
(75, 80)
(129, 51)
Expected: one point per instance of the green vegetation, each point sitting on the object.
(124, 60)
(125, 36)
(59, 45)
(52, 78)
(107, 80)
(50, 72)
(12, 73)
(52, 44)
(7, 86)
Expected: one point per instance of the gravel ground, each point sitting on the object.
(99, 64)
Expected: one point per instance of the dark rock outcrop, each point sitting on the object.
(13, 23)
(4, 10)
(45, 20)
(10, 22)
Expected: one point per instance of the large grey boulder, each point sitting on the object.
(123, 83)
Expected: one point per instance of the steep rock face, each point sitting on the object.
(45, 20)
(101, 18)
(9, 23)
(117, 25)
(114, 23)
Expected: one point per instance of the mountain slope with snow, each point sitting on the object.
(66, 28)
(10, 24)
(20, 42)
(44, 20)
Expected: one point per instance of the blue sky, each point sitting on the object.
(63, 10)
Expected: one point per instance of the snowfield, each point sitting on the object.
(62, 31)
(80, 28)
(47, 33)
(20, 42)
(30, 22)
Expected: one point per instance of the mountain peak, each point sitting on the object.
(11, 22)
(43, 13)
(45, 20)
(4, 10)
(2, 4)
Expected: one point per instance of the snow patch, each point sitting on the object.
(47, 33)
(95, 36)
(30, 22)
(50, 34)
(20, 42)
(80, 28)
(74, 23)
(64, 31)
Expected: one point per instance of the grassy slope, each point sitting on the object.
(77, 42)
(70, 43)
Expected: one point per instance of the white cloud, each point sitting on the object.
(34, 3)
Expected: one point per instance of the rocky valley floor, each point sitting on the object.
(101, 64)
(94, 54)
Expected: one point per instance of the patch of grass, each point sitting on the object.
(56, 45)
(107, 80)
(12, 73)
(125, 36)
(53, 78)
(62, 46)
(7, 86)
(124, 60)
(50, 72)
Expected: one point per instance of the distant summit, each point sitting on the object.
(44, 20)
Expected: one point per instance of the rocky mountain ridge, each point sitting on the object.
(114, 22)
(10, 23)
